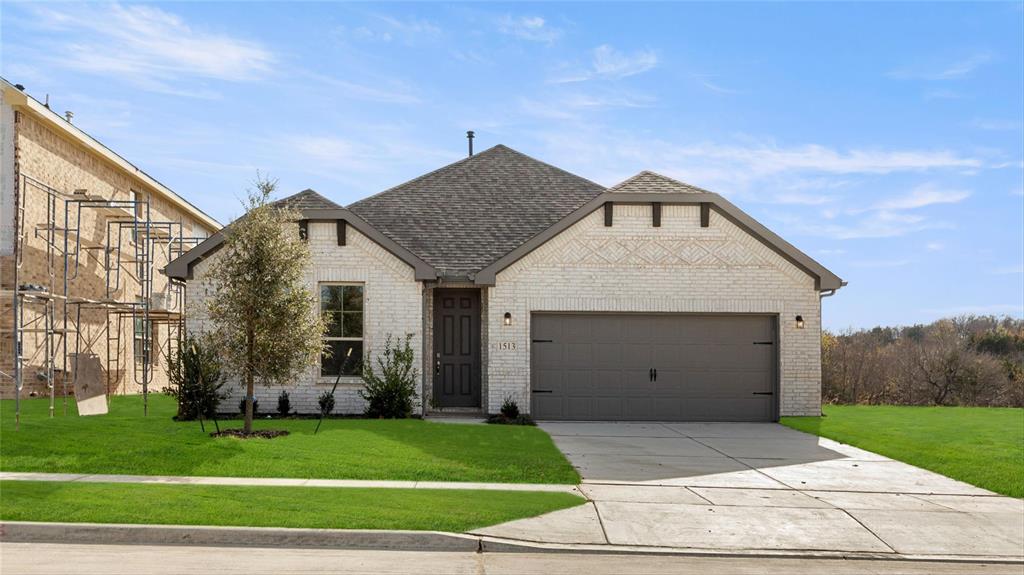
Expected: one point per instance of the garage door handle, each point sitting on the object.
(763, 342)
(542, 340)
(542, 390)
(764, 393)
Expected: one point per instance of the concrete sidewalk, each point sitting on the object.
(281, 482)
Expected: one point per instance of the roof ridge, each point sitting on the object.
(470, 158)
(428, 174)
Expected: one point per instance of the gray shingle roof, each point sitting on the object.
(306, 200)
(652, 182)
(466, 215)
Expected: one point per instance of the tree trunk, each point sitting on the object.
(250, 390)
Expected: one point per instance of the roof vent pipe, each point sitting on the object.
(68, 115)
(469, 136)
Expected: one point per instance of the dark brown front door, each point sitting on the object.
(457, 347)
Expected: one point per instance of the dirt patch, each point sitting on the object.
(256, 434)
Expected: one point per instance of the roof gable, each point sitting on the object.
(306, 200)
(636, 194)
(464, 216)
(653, 183)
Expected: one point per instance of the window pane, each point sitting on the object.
(334, 324)
(352, 364)
(353, 324)
(353, 298)
(330, 298)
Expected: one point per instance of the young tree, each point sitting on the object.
(265, 327)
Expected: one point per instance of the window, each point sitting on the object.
(143, 344)
(342, 307)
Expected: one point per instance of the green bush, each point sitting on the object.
(194, 379)
(390, 392)
(255, 406)
(284, 403)
(509, 408)
(326, 402)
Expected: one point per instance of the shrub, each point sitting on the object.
(255, 406)
(284, 403)
(326, 402)
(509, 408)
(390, 392)
(194, 379)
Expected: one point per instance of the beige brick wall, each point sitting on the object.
(65, 165)
(392, 304)
(634, 267)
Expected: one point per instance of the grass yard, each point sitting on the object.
(125, 442)
(306, 507)
(983, 446)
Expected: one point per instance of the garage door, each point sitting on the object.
(662, 367)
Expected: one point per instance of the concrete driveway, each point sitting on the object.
(763, 487)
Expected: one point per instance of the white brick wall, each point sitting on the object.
(392, 304)
(634, 267)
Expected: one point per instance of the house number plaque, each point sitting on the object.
(507, 345)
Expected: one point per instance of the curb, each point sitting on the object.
(122, 534)
(384, 540)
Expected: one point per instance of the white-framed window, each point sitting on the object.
(342, 307)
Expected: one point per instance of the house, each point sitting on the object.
(84, 235)
(650, 300)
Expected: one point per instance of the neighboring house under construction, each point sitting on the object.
(85, 307)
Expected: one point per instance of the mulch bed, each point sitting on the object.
(256, 434)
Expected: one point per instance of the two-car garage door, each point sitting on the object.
(662, 367)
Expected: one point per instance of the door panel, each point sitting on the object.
(653, 367)
(457, 347)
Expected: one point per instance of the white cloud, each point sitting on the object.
(924, 195)
(935, 246)
(994, 125)
(150, 47)
(880, 224)
(832, 252)
(389, 92)
(705, 80)
(609, 64)
(1009, 270)
(532, 28)
(952, 71)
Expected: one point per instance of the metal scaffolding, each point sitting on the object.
(128, 254)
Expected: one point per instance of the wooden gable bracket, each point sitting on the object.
(656, 214)
(705, 214)
(608, 209)
(342, 227)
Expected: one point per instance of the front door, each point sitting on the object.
(457, 347)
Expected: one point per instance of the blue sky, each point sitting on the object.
(883, 140)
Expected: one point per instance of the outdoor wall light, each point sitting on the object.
(799, 322)
(508, 318)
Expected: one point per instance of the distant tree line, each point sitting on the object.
(966, 360)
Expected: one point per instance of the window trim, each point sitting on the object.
(325, 337)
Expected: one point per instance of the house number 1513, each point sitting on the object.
(507, 346)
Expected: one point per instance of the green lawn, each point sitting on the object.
(125, 442)
(983, 446)
(307, 507)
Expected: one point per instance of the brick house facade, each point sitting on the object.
(49, 169)
(652, 299)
